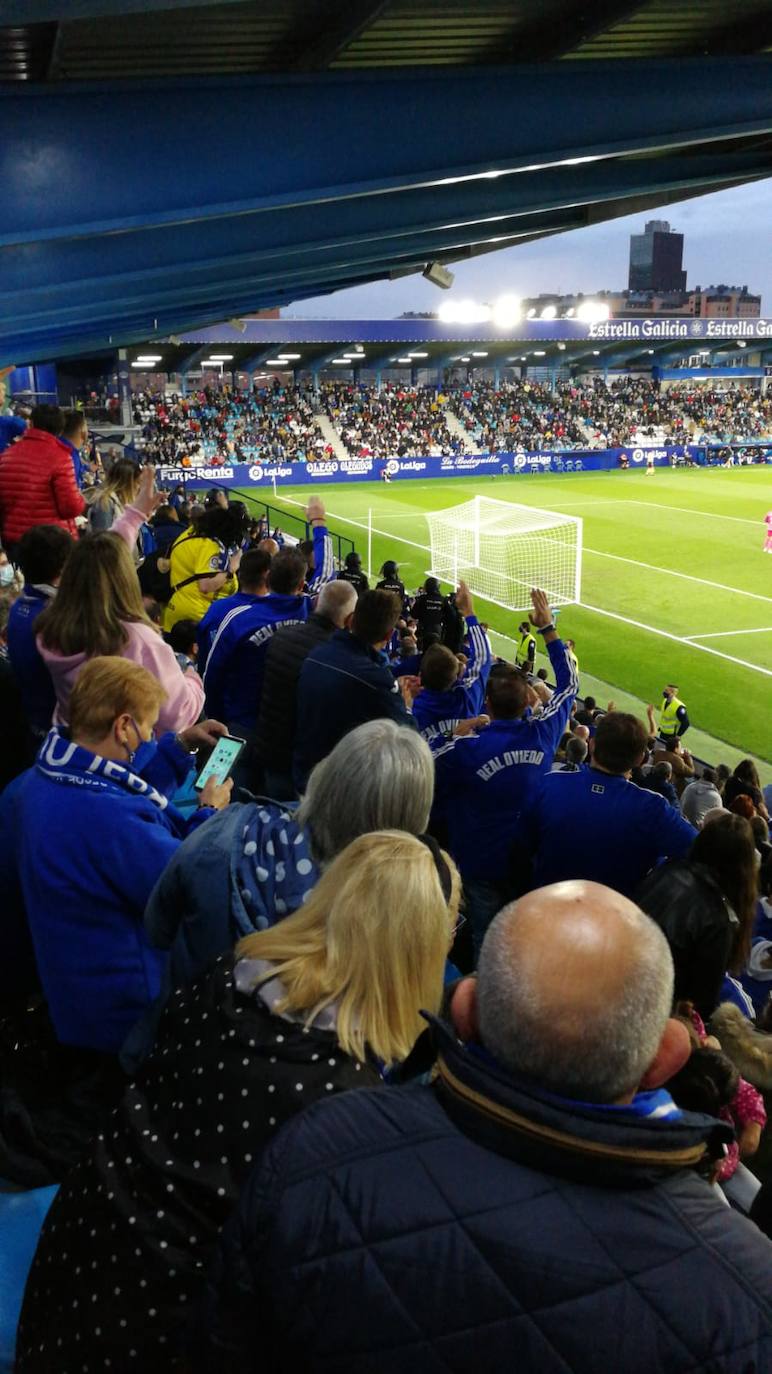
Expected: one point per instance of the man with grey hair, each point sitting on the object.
(286, 655)
(541, 1206)
(576, 754)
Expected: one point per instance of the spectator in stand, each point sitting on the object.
(545, 1141)
(98, 610)
(286, 654)
(41, 553)
(681, 763)
(596, 824)
(204, 562)
(706, 904)
(429, 611)
(700, 796)
(745, 781)
(254, 571)
(352, 572)
(253, 864)
(449, 693)
(484, 781)
(166, 528)
(346, 682)
(11, 428)
(37, 483)
(234, 665)
(328, 1001)
(93, 831)
(75, 437)
(575, 755)
(587, 713)
(660, 780)
(107, 503)
(723, 772)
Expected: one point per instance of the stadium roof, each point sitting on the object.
(166, 165)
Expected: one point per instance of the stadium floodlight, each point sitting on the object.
(404, 360)
(341, 362)
(741, 343)
(549, 312)
(465, 358)
(221, 358)
(480, 353)
(289, 357)
(506, 312)
(596, 353)
(149, 358)
(538, 352)
(463, 312)
(278, 362)
(418, 355)
(501, 550)
(592, 312)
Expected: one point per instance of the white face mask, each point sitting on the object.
(6, 574)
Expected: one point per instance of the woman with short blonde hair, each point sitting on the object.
(109, 500)
(327, 1001)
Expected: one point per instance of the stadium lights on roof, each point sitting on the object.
(596, 352)
(221, 358)
(506, 312)
(419, 355)
(741, 343)
(562, 347)
(479, 354)
(289, 357)
(531, 314)
(463, 312)
(148, 358)
(404, 360)
(341, 362)
(569, 315)
(549, 312)
(538, 352)
(592, 312)
(465, 358)
(649, 350)
(278, 362)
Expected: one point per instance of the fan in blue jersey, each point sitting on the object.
(450, 694)
(484, 781)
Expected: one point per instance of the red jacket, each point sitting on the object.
(37, 486)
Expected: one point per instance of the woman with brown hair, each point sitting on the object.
(99, 610)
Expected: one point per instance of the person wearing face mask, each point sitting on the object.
(92, 829)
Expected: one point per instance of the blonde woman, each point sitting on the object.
(326, 1001)
(108, 501)
(98, 610)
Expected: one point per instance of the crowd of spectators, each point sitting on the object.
(215, 426)
(396, 422)
(528, 414)
(449, 975)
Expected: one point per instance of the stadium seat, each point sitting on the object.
(21, 1219)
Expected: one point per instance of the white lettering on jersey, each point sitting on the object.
(510, 759)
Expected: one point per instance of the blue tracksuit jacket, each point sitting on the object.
(599, 826)
(485, 780)
(436, 713)
(234, 637)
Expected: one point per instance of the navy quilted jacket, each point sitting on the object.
(477, 1227)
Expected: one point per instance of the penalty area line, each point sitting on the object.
(678, 639)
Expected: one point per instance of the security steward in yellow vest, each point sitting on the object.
(526, 649)
(673, 716)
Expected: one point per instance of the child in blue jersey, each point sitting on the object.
(449, 693)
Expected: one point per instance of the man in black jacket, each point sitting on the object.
(542, 1206)
(286, 655)
(347, 681)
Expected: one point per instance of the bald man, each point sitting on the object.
(542, 1207)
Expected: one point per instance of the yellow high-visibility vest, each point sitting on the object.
(668, 718)
(522, 655)
(574, 660)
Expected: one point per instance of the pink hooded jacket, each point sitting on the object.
(184, 691)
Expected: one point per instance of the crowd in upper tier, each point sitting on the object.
(278, 424)
(430, 1031)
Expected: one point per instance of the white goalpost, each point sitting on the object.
(502, 550)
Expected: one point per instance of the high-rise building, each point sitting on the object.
(656, 256)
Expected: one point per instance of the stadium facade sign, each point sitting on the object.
(452, 465)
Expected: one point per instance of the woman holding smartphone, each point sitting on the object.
(328, 1000)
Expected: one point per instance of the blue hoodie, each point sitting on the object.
(436, 713)
(234, 636)
(91, 840)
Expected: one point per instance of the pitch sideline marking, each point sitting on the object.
(613, 615)
(722, 634)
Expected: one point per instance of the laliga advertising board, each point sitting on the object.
(342, 470)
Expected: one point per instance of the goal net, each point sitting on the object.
(502, 550)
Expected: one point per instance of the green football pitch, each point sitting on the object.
(675, 584)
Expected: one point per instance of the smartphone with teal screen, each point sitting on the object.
(221, 760)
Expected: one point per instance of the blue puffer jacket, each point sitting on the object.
(91, 839)
(480, 1225)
